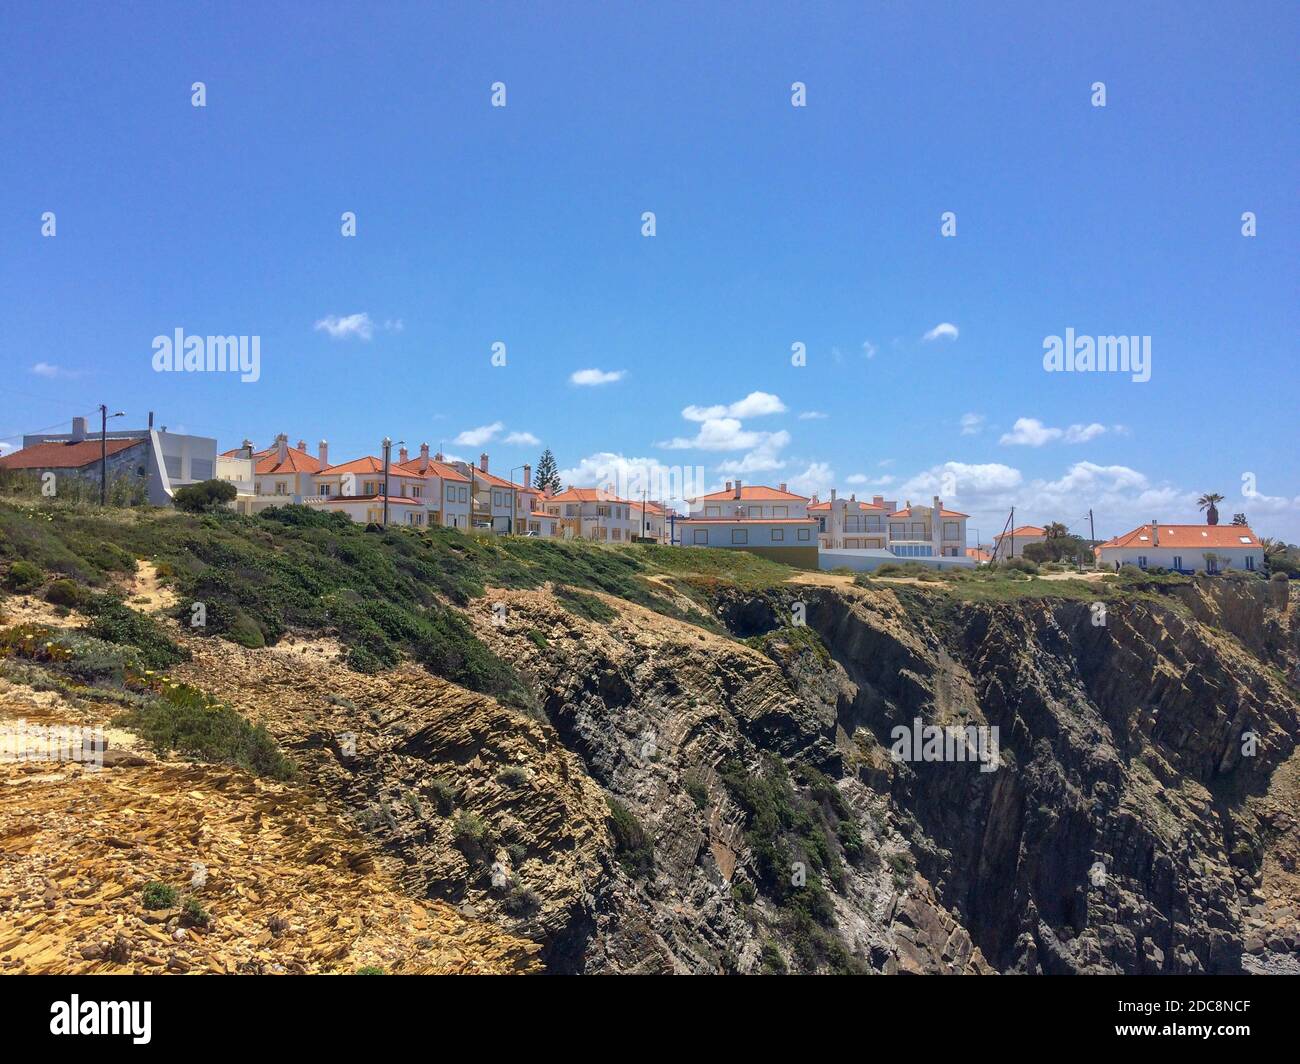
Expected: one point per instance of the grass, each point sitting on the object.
(632, 843)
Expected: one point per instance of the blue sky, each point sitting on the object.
(774, 225)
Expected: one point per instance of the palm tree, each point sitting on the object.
(1206, 502)
(1055, 529)
(1271, 547)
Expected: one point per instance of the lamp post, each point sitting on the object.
(514, 503)
(103, 451)
(388, 450)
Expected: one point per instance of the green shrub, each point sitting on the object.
(632, 844)
(115, 622)
(694, 785)
(445, 794)
(512, 776)
(65, 592)
(470, 829)
(157, 895)
(370, 969)
(23, 576)
(587, 606)
(205, 496)
(521, 901)
(194, 914)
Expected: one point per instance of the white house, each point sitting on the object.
(847, 524)
(281, 474)
(1012, 544)
(757, 500)
(493, 499)
(1184, 548)
(927, 531)
(592, 513)
(369, 509)
(446, 491)
(651, 521)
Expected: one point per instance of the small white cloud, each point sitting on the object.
(48, 369)
(479, 436)
(755, 404)
(592, 377)
(353, 325)
(1030, 432)
(869, 349)
(394, 324)
(857, 478)
(971, 424)
(817, 479)
(813, 415)
(717, 434)
(524, 439)
(945, 330)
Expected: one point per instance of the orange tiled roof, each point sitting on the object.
(296, 461)
(1189, 536)
(749, 520)
(859, 504)
(402, 499)
(62, 454)
(586, 495)
(434, 469)
(978, 553)
(1022, 532)
(368, 465)
(907, 512)
(754, 493)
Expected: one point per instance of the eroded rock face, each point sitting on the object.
(1125, 829)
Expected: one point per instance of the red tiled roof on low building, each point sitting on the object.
(64, 454)
(1188, 536)
(753, 493)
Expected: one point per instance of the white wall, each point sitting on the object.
(1192, 557)
(757, 534)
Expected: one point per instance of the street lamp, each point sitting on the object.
(514, 505)
(388, 450)
(104, 415)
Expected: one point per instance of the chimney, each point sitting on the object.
(528, 476)
(247, 448)
(853, 496)
(424, 456)
(832, 494)
(302, 445)
(323, 453)
(439, 457)
(729, 485)
(483, 462)
(784, 488)
(282, 448)
(737, 489)
(877, 500)
(938, 507)
(151, 419)
(1155, 533)
(78, 428)
(402, 456)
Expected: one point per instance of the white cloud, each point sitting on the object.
(48, 369)
(1030, 432)
(817, 479)
(479, 436)
(523, 439)
(869, 349)
(353, 325)
(971, 424)
(717, 434)
(813, 415)
(765, 457)
(755, 404)
(857, 478)
(5, 448)
(861, 478)
(593, 377)
(945, 330)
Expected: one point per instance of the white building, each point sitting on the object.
(927, 531)
(281, 474)
(1012, 544)
(847, 524)
(446, 491)
(757, 500)
(592, 513)
(651, 521)
(1184, 548)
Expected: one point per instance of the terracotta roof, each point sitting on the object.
(401, 499)
(651, 508)
(369, 465)
(859, 504)
(63, 454)
(1022, 531)
(586, 495)
(296, 461)
(434, 469)
(978, 553)
(942, 513)
(749, 520)
(1188, 536)
(753, 493)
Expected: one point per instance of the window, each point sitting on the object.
(740, 535)
(950, 530)
(918, 530)
(173, 464)
(1142, 561)
(200, 469)
(1250, 562)
(464, 493)
(1178, 561)
(778, 535)
(780, 511)
(280, 488)
(417, 491)
(713, 511)
(805, 533)
(700, 536)
(616, 533)
(325, 490)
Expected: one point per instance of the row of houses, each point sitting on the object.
(428, 490)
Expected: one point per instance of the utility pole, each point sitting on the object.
(388, 449)
(1092, 530)
(104, 415)
(645, 517)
